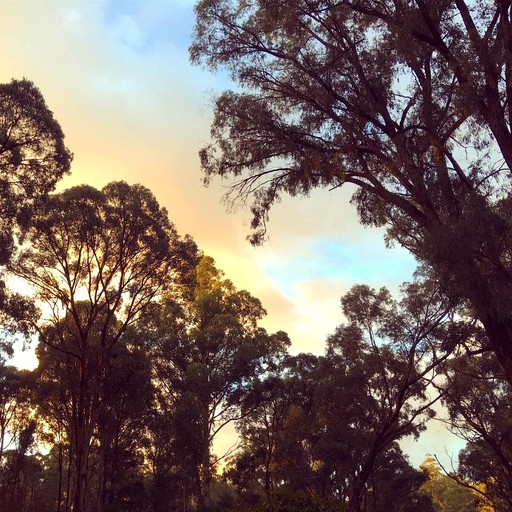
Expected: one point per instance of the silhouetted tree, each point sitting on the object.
(478, 464)
(115, 464)
(209, 350)
(386, 357)
(328, 426)
(406, 102)
(101, 260)
(17, 427)
(33, 158)
(478, 398)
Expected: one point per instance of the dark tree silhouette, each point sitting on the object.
(407, 101)
(209, 349)
(100, 260)
(33, 158)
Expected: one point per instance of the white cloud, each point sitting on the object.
(129, 33)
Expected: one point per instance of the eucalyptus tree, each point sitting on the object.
(388, 355)
(115, 463)
(98, 260)
(478, 399)
(209, 350)
(405, 102)
(329, 426)
(17, 427)
(15, 394)
(33, 158)
(447, 493)
(479, 465)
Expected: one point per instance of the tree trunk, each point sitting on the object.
(199, 491)
(359, 484)
(499, 333)
(84, 426)
(102, 476)
(476, 270)
(204, 498)
(61, 467)
(206, 477)
(69, 479)
(79, 438)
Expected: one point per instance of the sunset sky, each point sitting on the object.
(117, 76)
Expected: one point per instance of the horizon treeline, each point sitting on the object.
(146, 352)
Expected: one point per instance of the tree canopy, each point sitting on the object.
(208, 352)
(146, 351)
(407, 101)
(33, 158)
(99, 261)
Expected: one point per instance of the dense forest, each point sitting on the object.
(147, 352)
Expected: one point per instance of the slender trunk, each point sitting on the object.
(2, 440)
(499, 333)
(204, 498)
(199, 491)
(59, 491)
(79, 434)
(359, 484)
(69, 475)
(267, 477)
(82, 467)
(101, 477)
(82, 437)
(206, 476)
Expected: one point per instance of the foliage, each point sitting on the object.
(19, 470)
(99, 260)
(147, 351)
(405, 101)
(444, 490)
(328, 426)
(478, 399)
(115, 455)
(33, 158)
(15, 397)
(208, 350)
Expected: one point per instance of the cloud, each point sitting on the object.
(144, 26)
(436, 440)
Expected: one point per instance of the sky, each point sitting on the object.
(117, 76)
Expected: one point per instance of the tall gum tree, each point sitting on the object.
(33, 158)
(478, 399)
(210, 350)
(409, 101)
(328, 426)
(99, 260)
(125, 392)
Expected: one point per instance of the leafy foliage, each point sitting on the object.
(406, 101)
(208, 350)
(99, 260)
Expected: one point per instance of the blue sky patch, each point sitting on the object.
(143, 25)
(357, 263)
